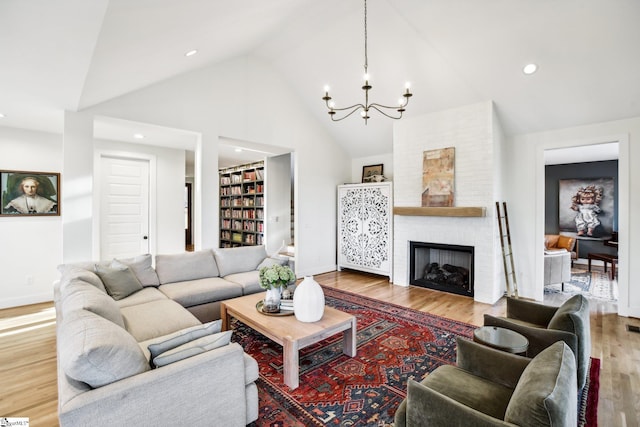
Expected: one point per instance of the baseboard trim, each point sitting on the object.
(28, 300)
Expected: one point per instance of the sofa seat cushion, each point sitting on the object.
(249, 280)
(156, 318)
(141, 267)
(186, 266)
(80, 295)
(202, 291)
(546, 394)
(474, 392)
(97, 352)
(238, 260)
(144, 295)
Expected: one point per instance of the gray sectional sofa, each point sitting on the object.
(142, 345)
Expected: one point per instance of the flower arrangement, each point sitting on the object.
(276, 276)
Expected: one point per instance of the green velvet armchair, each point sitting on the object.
(489, 387)
(543, 325)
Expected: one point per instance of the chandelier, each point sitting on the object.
(395, 113)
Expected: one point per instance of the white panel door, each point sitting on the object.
(124, 207)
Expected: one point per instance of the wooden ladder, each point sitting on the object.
(507, 250)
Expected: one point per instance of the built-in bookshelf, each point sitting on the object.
(242, 205)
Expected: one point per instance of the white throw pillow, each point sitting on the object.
(184, 336)
(193, 348)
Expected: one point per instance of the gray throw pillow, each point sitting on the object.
(119, 282)
(193, 348)
(141, 267)
(184, 336)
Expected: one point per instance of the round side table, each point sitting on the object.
(501, 339)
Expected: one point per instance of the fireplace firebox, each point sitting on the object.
(442, 267)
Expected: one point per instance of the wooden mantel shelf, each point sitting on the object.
(463, 211)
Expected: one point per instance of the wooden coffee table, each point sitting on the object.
(287, 331)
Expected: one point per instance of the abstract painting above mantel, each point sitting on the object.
(438, 167)
(586, 206)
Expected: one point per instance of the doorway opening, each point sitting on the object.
(581, 206)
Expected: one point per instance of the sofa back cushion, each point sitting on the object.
(80, 295)
(141, 267)
(546, 394)
(573, 316)
(186, 266)
(78, 271)
(239, 260)
(96, 351)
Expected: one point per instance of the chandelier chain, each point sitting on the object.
(366, 57)
(341, 113)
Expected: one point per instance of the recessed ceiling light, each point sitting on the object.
(238, 150)
(138, 136)
(2, 116)
(191, 52)
(530, 68)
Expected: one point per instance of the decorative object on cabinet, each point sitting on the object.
(365, 232)
(438, 168)
(371, 171)
(308, 301)
(242, 205)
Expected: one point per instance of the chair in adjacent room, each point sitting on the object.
(543, 325)
(558, 242)
(489, 387)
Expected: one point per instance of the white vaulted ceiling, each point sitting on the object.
(61, 55)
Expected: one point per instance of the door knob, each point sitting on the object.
(145, 237)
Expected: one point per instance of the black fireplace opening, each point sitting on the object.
(442, 267)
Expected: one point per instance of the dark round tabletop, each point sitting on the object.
(501, 339)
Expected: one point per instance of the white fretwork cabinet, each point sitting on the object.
(365, 224)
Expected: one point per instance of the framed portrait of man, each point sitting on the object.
(29, 193)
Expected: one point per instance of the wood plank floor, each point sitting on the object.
(28, 348)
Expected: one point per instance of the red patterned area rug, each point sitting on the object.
(394, 344)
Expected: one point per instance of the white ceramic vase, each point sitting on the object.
(308, 301)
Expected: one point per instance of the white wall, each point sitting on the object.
(168, 234)
(356, 166)
(475, 135)
(244, 99)
(524, 163)
(32, 246)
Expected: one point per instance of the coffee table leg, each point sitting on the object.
(349, 339)
(224, 317)
(290, 359)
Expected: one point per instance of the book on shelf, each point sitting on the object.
(259, 174)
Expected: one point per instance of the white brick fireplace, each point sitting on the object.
(474, 132)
